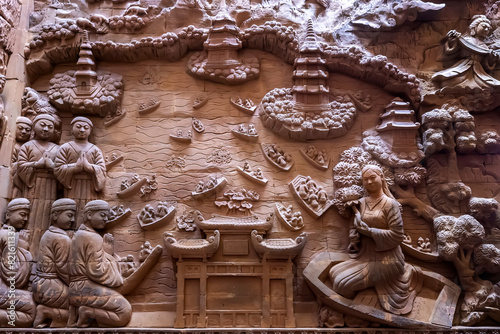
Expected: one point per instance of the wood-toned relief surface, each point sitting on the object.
(247, 164)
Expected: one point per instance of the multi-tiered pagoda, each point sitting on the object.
(310, 89)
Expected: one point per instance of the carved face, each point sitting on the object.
(98, 219)
(483, 29)
(23, 132)
(18, 218)
(65, 219)
(81, 130)
(44, 129)
(372, 182)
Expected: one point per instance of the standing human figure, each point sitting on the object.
(80, 166)
(50, 286)
(24, 128)
(35, 169)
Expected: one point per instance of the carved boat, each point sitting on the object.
(249, 176)
(200, 101)
(114, 162)
(160, 222)
(279, 209)
(181, 139)
(133, 189)
(238, 105)
(197, 125)
(146, 109)
(417, 254)
(265, 148)
(433, 308)
(192, 248)
(313, 162)
(115, 119)
(132, 282)
(118, 219)
(233, 224)
(245, 136)
(278, 248)
(315, 212)
(221, 183)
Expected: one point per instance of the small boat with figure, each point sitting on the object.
(114, 118)
(255, 176)
(291, 220)
(180, 137)
(151, 219)
(197, 125)
(128, 189)
(244, 133)
(150, 107)
(117, 214)
(433, 308)
(199, 101)
(209, 188)
(113, 161)
(245, 105)
(277, 157)
(315, 157)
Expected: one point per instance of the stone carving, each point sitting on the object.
(208, 188)
(35, 170)
(176, 163)
(229, 245)
(318, 81)
(51, 283)
(245, 105)
(220, 156)
(79, 165)
(97, 286)
(117, 214)
(181, 137)
(186, 220)
(246, 133)
(470, 79)
(277, 157)
(386, 15)
(197, 125)
(318, 159)
(151, 219)
(86, 90)
(23, 133)
(17, 307)
(219, 60)
(151, 106)
(311, 197)
(291, 220)
(135, 185)
(112, 161)
(255, 176)
(395, 141)
(238, 200)
(199, 101)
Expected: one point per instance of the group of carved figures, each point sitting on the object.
(78, 279)
(40, 166)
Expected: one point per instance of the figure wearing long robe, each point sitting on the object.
(80, 186)
(15, 271)
(94, 274)
(380, 263)
(39, 185)
(50, 286)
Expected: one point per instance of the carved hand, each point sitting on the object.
(109, 243)
(362, 227)
(87, 166)
(49, 164)
(453, 34)
(24, 238)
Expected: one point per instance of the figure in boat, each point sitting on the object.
(477, 60)
(376, 259)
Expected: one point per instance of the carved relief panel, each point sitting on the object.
(249, 164)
